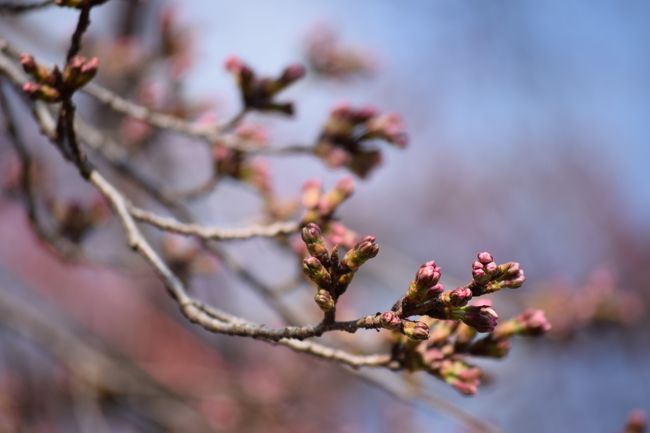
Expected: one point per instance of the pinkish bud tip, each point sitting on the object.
(233, 64)
(311, 233)
(31, 88)
(345, 186)
(293, 73)
(481, 318)
(390, 320)
(484, 257)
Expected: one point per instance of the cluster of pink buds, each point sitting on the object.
(79, 4)
(448, 328)
(444, 353)
(343, 140)
(332, 273)
(75, 219)
(488, 277)
(258, 93)
(52, 85)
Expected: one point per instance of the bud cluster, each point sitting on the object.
(445, 352)
(331, 273)
(258, 93)
(52, 85)
(489, 277)
(342, 142)
(320, 206)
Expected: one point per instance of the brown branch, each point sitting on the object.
(213, 233)
(61, 246)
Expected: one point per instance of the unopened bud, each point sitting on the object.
(415, 330)
(457, 297)
(79, 71)
(360, 253)
(480, 317)
(311, 193)
(42, 92)
(292, 73)
(315, 242)
(427, 276)
(390, 320)
(314, 269)
(324, 300)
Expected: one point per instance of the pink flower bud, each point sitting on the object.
(481, 318)
(292, 73)
(415, 330)
(324, 300)
(427, 275)
(233, 64)
(390, 320)
(314, 269)
(457, 297)
(485, 258)
(533, 323)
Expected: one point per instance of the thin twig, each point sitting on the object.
(214, 233)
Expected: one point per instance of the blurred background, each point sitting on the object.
(528, 125)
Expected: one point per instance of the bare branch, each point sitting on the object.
(12, 8)
(213, 233)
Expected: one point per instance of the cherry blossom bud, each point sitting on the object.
(415, 330)
(336, 196)
(292, 73)
(324, 300)
(457, 297)
(79, 71)
(360, 253)
(462, 376)
(480, 317)
(40, 73)
(513, 276)
(314, 269)
(388, 127)
(427, 276)
(311, 193)
(530, 323)
(42, 92)
(315, 243)
(390, 320)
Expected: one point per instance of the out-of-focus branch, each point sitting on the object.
(98, 367)
(58, 244)
(420, 397)
(10, 8)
